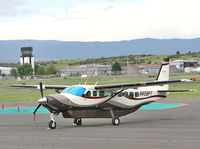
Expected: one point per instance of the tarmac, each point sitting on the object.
(172, 128)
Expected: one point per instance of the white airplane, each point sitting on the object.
(104, 101)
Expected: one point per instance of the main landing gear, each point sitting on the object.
(52, 123)
(78, 121)
(115, 120)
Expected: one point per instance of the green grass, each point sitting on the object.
(12, 94)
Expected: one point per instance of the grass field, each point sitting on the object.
(8, 94)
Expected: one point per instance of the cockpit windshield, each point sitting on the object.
(78, 91)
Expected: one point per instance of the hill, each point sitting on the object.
(52, 49)
(132, 59)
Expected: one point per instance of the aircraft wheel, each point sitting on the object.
(52, 124)
(115, 121)
(78, 121)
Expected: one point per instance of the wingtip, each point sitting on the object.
(192, 90)
(186, 80)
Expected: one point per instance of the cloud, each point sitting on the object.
(69, 6)
(88, 22)
(12, 7)
(107, 8)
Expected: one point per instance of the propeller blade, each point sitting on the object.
(37, 108)
(41, 88)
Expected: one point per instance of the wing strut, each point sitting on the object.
(111, 97)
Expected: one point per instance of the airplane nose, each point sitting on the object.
(42, 100)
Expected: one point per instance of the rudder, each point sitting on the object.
(163, 74)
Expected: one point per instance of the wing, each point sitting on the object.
(136, 85)
(44, 86)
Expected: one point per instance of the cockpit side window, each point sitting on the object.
(88, 94)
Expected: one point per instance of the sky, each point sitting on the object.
(99, 20)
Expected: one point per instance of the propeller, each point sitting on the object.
(41, 88)
(41, 91)
(37, 108)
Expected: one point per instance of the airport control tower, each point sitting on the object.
(27, 56)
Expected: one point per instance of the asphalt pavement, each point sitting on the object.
(177, 128)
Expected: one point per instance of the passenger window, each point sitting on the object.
(88, 94)
(125, 94)
(94, 93)
(136, 94)
(101, 93)
(131, 94)
(110, 94)
(119, 95)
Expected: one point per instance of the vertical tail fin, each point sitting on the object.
(163, 74)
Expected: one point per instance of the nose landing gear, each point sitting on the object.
(52, 123)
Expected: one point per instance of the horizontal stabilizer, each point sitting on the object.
(164, 91)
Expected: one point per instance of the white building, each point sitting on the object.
(5, 70)
(185, 65)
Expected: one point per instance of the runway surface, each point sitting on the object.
(153, 129)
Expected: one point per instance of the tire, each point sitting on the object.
(52, 124)
(115, 121)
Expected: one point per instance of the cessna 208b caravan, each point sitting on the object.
(104, 101)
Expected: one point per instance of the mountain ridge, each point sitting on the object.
(55, 49)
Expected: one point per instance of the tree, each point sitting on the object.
(116, 68)
(149, 62)
(36, 68)
(40, 70)
(177, 52)
(50, 69)
(25, 70)
(13, 72)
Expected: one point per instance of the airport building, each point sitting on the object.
(185, 65)
(142, 69)
(99, 70)
(86, 70)
(131, 69)
(5, 70)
